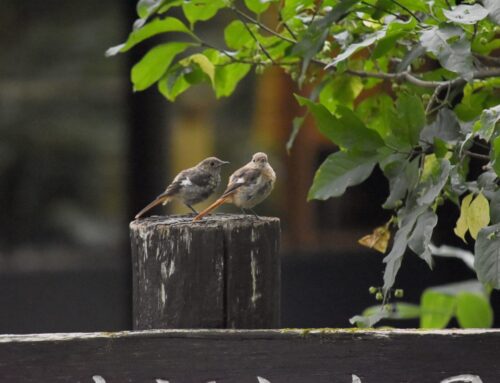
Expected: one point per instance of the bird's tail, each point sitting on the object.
(160, 199)
(213, 206)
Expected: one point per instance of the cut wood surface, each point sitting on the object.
(240, 356)
(221, 272)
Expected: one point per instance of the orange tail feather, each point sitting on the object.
(151, 205)
(213, 206)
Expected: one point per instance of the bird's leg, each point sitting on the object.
(254, 213)
(192, 209)
(243, 211)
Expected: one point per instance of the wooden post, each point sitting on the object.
(222, 272)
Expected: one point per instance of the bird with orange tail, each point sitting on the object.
(247, 187)
(191, 186)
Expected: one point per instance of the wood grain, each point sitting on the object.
(222, 272)
(240, 356)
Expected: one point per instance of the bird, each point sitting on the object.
(191, 186)
(247, 187)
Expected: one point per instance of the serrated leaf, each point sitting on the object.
(466, 14)
(155, 63)
(236, 35)
(478, 215)
(455, 56)
(347, 130)
(487, 256)
(461, 226)
(156, 26)
(339, 171)
(474, 311)
(436, 309)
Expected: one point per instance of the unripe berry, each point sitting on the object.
(399, 293)
(379, 296)
(372, 289)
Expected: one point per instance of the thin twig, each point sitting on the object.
(477, 155)
(381, 9)
(407, 10)
(316, 10)
(263, 26)
(262, 48)
(292, 33)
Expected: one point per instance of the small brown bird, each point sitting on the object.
(247, 187)
(191, 186)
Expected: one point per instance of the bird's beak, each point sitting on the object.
(224, 163)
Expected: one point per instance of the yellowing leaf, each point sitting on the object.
(204, 63)
(462, 226)
(478, 215)
(378, 239)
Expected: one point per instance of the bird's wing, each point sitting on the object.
(198, 177)
(242, 177)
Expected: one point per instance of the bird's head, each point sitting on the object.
(212, 164)
(260, 159)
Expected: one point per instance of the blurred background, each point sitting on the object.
(80, 154)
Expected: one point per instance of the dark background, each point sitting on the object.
(80, 154)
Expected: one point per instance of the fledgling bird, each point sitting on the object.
(191, 186)
(248, 186)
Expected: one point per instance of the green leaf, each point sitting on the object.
(478, 215)
(147, 7)
(407, 217)
(466, 14)
(395, 31)
(436, 309)
(204, 63)
(445, 127)
(174, 82)
(455, 56)
(411, 115)
(402, 175)
(315, 35)
(155, 63)
(353, 48)
(341, 90)
(201, 10)
(347, 130)
(339, 171)
(236, 35)
(487, 256)
(258, 6)
(495, 207)
(496, 154)
(169, 24)
(461, 226)
(228, 76)
(486, 125)
(474, 311)
(434, 177)
(420, 238)
(296, 125)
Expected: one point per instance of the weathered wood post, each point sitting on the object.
(221, 272)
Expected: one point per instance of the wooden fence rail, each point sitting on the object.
(240, 356)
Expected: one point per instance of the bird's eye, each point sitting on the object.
(212, 163)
